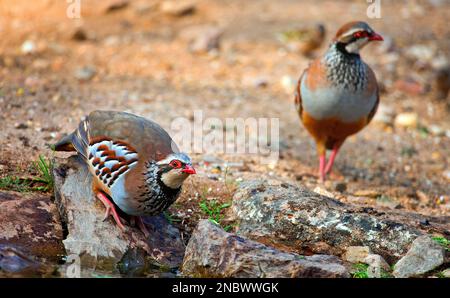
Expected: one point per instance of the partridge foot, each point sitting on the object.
(110, 210)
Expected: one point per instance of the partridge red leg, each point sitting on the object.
(322, 162)
(332, 158)
(110, 209)
(141, 225)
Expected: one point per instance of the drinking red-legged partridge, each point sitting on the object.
(337, 95)
(136, 165)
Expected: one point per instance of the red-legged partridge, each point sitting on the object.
(134, 162)
(337, 95)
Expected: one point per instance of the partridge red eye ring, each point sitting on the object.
(175, 164)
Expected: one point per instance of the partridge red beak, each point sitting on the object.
(189, 170)
(376, 36)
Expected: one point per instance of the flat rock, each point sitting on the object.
(30, 222)
(425, 255)
(101, 244)
(212, 252)
(293, 218)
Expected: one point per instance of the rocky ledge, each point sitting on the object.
(295, 219)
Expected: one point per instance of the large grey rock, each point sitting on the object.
(425, 255)
(30, 222)
(101, 244)
(212, 252)
(298, 220)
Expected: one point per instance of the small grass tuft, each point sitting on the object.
(44, 168)
(360, 271)
(445, 243)
(15, 184)
(170, 217)
(213, 210)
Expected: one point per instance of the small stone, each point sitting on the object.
(385, 201)
(256, 82)
(207, 39)
(446, 273)
(323, 192)
(288, 83)
(114, 5)
(377, 265)
(28, 47)
(85, 73)
(407, 120)
(177, 8)
(340, 186)
(436, 130)
(21, 125)
(79, 34)
(421, 53)
(385, 115)
(424, 255)
(356, 254)
(446, 175)
(143, 8)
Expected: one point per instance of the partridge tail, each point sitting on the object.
(76, 141)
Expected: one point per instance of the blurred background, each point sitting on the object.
(231, 58)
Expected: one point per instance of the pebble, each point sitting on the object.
(85, 73)
(28, 47)
(143, 8)
(407, 120)
(421, 53)
(79, 34)
(323, 192)
(21, 126)
(288, 83)
(207, 39)
(116, 5)
(340, 186)
(257, 82)
(436, 130)
(177, 8)
(384, 115)
(385, 201)
(446, 273)
(446, 174)
(376, 266)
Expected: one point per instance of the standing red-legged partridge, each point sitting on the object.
(134, 162)
(337, 95)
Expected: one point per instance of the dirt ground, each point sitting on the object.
(143, 65)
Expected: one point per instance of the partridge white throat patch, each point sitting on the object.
(111, 159)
